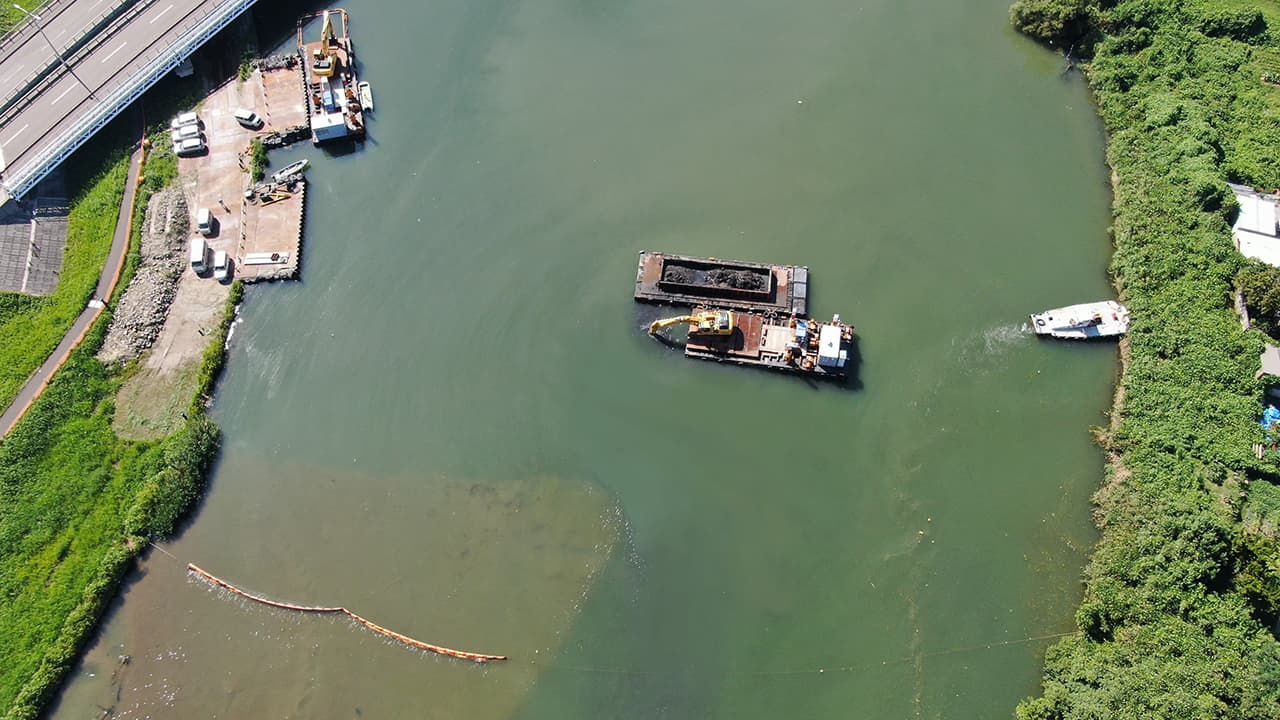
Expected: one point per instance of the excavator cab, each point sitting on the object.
(719, 322)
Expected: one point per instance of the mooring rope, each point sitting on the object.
(398, 637)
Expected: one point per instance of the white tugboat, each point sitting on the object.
(1083, 322)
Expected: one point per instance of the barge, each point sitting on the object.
(771, 341)
(751, 287)
(1086, 321)
(329, 71)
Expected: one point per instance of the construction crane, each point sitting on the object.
(711, 322)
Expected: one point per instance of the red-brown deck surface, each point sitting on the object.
(744, 343)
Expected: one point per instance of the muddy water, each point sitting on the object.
(455, 426)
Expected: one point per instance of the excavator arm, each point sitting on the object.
(658, 325)
(715, 322)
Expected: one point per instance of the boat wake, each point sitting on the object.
(988, 349)
(999, 339)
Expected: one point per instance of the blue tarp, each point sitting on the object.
(1270, 416)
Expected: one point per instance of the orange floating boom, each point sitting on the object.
(405, 639)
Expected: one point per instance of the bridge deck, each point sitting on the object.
(110, 67)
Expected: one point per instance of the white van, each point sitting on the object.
(186, 118)
(199, 255)
(248, 119)
(205, 222)
(221, 266)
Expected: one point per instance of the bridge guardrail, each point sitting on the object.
(160, 62)
(19, 30)
(87, 40)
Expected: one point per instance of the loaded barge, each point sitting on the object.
(752, 287)
(788, 344)
(329, 71)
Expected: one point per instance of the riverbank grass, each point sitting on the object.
(33, 326)
(77, 503)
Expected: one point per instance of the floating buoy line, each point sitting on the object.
(215, 581)
(398, 637)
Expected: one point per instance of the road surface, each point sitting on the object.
(107, 64)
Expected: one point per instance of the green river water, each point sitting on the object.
(456, 426)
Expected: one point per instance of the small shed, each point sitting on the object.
(1270, 364)
(1257, 228)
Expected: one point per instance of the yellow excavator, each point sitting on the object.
(324, 60)
(711, 322)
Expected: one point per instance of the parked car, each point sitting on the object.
(206, 223)
(185, 119)
(249, 119)
(221, 266)
(199, 255)
(189, 146)
(184, 132)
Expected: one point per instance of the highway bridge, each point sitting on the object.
(114, 50)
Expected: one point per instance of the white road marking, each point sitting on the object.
(11, 75)
(11, 137)
(113, 52)
(95, 4)
(161, 13)
(64, 94)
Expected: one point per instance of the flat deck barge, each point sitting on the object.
(753, 287)
(329, 66)
(788, 344)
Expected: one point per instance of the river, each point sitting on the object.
(455, 425)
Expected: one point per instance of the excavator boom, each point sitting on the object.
(714, 322)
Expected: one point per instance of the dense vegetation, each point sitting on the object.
(33, 326)
(11, 16)
(1184, 585)
(76, 502)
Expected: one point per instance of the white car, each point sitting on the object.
(248, 118)
(206, 223)
(185, 119)
(221, 266)
(184, 132)
(189, 146)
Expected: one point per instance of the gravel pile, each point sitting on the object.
(286, 137)
(680, 275)
(141, 312)
(738, 279)
(283, 61)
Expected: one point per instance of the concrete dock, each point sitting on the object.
(264, 239)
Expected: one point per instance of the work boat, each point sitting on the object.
(1086, 321)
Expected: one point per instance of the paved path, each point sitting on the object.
(106, 285)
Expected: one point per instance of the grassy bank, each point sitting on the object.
(1180, 592)
(33, 326)
(76, 504)
(11, 16)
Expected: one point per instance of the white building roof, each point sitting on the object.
(1256, 229)
(1259, 247)
(1257, 214)
(829, 345)
(1271, 360)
